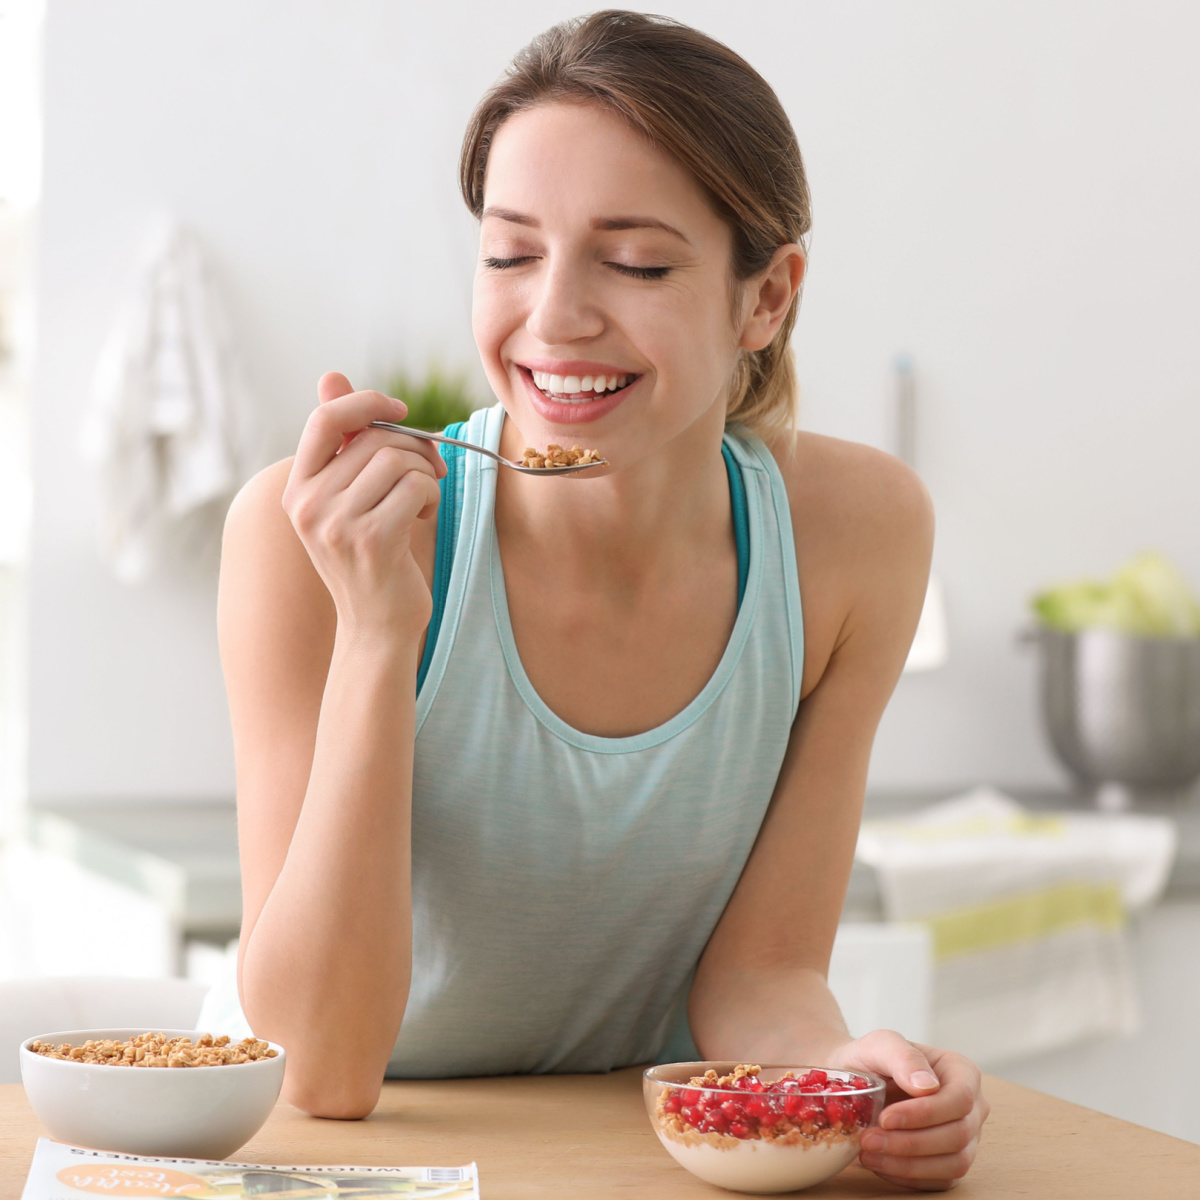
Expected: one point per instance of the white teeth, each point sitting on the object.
(562, 387)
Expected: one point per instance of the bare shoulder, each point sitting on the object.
(863, 525)
(257, 511)
(866, 494)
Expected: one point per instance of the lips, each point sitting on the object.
(577, 407)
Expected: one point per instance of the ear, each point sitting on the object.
(769, 295)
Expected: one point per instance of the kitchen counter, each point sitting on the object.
(588, 1135)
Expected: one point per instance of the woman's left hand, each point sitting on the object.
(928, 1133)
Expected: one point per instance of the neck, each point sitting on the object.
(662, 510)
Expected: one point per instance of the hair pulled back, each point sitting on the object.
(696, 99)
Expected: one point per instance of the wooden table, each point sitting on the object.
(588, 1136)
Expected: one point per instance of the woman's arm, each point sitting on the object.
(864, 534)
(321, 612)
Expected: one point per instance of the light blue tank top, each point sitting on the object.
(564, 884)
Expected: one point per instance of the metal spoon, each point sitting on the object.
(437, 437)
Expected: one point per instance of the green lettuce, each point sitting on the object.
(1147, 597)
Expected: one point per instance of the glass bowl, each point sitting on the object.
(770, 1129)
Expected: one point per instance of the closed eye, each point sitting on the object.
(641, 272)
(499, 264)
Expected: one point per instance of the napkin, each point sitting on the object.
(1027, 914)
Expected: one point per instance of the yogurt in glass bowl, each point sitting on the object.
(761, 1129)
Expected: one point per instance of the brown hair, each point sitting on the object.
(699, 101)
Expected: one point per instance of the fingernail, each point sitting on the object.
(399, 406)
(870, 1160)
(924, 1079)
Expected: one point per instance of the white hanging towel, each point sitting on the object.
(1027, 915)
(169, 425)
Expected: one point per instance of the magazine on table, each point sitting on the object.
(61, 1172)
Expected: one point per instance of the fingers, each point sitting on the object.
(351, 459)
(334, 420)
(940, 1139)
(936, 1171)
(328, 424)
(414, 497)
(387, 466)
(331, 385)
(954, 1099)
(920, 1185)
(889, 1054)
(928, 1138)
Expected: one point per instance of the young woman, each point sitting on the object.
(565, 774)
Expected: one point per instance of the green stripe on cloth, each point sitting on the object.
(1026, 917)
(1022, 825)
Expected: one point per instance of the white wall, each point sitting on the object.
(1006, 190)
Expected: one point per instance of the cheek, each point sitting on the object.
(491, 319)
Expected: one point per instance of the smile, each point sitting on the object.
(574, 389)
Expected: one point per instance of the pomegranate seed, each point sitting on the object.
(841, 1112)
(735, 1110)
(672, 1103)
(739, 1130)
(715, 1122)
(690, 1096)
(814, 1077)
(769, 1119)
(812, 1114)
(863, 1108)
(792, 1105)
(859, 1081)
(693, 1116)
(757, 1107)
(810, 1089)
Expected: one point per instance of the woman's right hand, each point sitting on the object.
(353, 497)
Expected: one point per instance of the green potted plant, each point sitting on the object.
(435, 400)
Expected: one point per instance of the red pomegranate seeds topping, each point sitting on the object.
(812, 1113)
(840, 1110)
(742, 1106)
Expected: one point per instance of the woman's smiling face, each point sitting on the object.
(600, 257)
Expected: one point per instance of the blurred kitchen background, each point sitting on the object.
(1002, 286)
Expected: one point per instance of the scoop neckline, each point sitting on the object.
(696, 707)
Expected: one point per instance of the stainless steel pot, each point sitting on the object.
(1123, 709)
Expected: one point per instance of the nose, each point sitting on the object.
(563, 311)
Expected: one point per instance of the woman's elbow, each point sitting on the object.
(338, 1099)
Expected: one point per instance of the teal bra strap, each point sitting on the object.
(447, 539)
(447, 535)
(741, 519)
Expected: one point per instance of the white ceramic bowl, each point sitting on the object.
(175, 1112)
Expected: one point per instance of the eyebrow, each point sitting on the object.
(605, 223)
